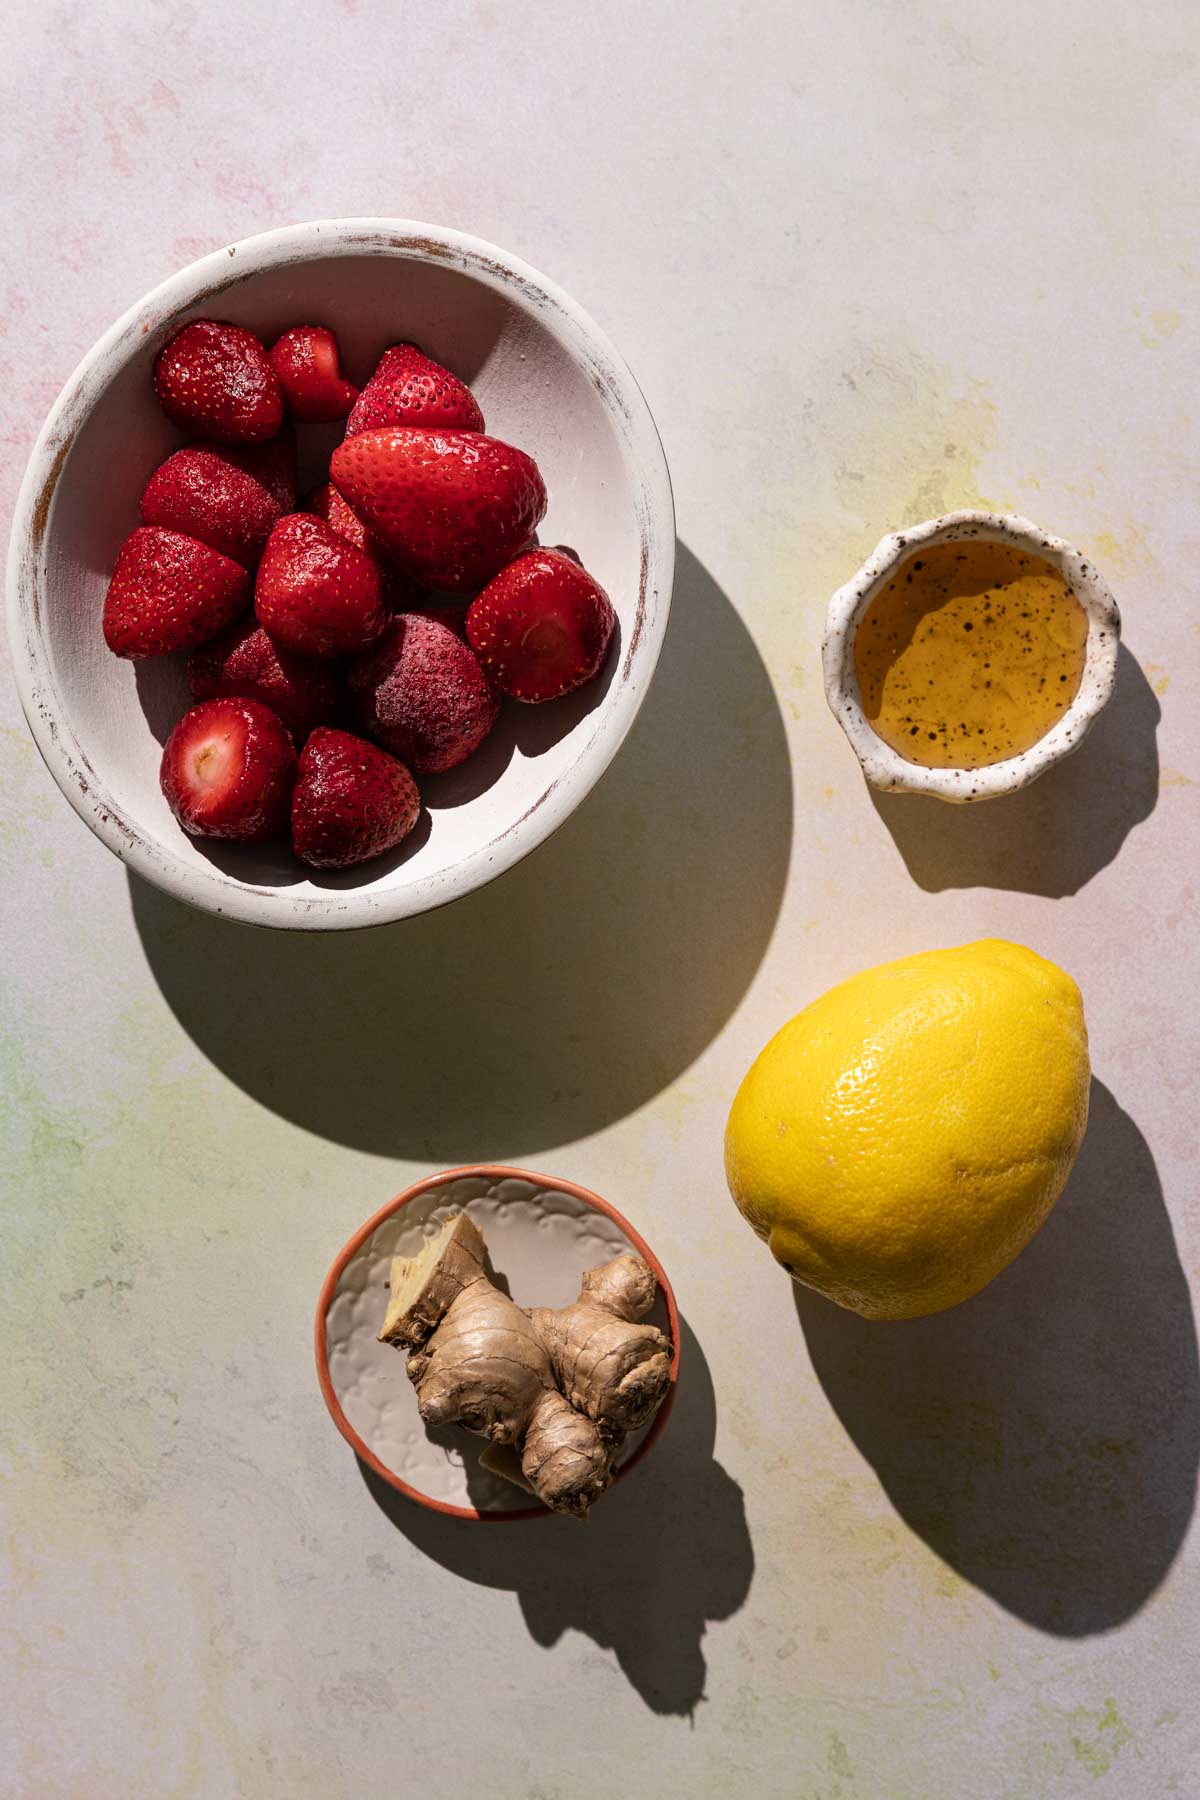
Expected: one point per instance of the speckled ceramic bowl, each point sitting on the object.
(541, 1235)
(547, 379)
(882, 765)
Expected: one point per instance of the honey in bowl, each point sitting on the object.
(970, 654)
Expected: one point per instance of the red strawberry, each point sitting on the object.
(245, 661)
(169, 592)
(227, 497)
(451, 507)
(451, 614)
(309, 368)
(272, 463)
(542, 627)
(399, 593)
(227, 770)
(215, 379)
(315, 592)
(326, 503)
(409, 388)
(422, 693)
(351, 801)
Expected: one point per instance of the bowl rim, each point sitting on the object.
(884, 767)
(492, 1172)
(152, 318)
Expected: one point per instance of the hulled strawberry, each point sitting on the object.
(450, 507)
(421, 692)
(542, 627)
(169, 592)
(245, 661)
(309, 368)
(409, 388)
(214, 379)
(227, 771)
(227, 496)
(351, 801)
(316, 593)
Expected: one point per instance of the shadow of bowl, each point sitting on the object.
(1044, 1437)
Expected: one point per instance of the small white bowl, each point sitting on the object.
(883, 766)
(541, 1236)
(547, 379)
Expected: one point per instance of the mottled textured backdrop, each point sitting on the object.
(868, 261)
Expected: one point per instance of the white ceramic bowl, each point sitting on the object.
(883, 766)
(541, 1236)
(547, 379)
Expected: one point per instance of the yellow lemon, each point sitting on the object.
(901, 1139)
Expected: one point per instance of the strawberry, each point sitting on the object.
(399, 593)
(309, 368)
(272, 463)
(351, 801)
(450, 507)
(245, 662)
(451, 614)
(542, 627)
(326, 503)
(227, 770)
(409, 388)
(215, 379)
(315, 592)
(228, 497)
(169, 592)
(421, 692)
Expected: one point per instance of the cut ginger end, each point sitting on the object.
(423, 1285)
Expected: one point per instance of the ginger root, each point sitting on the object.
(553, 1391)
(608, 1365)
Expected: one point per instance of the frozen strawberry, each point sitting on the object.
(542, 627)
(315, 592)
(431, 606)
(450, 507)
(227, 770)
(214, 379)
(351, 801)
(227, 496)
(309, 368)
(169, 592)
(245, 661)
(409, 388)
(421, 692)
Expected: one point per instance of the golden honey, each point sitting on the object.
(970, 654)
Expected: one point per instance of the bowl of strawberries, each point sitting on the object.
(339, 572)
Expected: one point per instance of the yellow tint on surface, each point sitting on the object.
(970, 654)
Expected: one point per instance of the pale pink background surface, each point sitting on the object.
(868, 262)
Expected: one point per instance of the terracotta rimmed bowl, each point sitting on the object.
(883, 766)
(547, 379)
(541, 1235)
